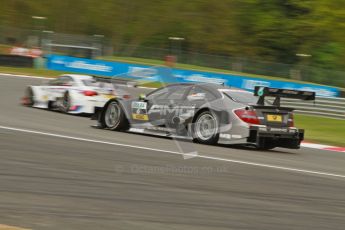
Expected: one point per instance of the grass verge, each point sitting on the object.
(31, 71)
(322, 130)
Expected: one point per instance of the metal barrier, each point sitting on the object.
(322, 106)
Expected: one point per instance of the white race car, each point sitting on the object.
(72, 93)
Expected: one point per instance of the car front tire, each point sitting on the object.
(114, 118)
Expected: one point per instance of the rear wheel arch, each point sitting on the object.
(194, 126)
(220, 114)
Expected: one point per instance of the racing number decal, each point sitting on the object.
(139, 111)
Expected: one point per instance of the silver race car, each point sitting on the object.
(209, 114)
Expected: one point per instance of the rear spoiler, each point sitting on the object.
(263, 92)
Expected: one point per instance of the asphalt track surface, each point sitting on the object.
(56, 172)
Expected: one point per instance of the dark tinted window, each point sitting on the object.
(62, 81)
(66, 81)
(241, 96)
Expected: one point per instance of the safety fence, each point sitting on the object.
(322, 106)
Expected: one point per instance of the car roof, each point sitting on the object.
(201, 84)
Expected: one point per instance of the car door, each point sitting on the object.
(158, 105)
(165, 107)
(139, 108)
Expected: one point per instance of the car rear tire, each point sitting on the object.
(114, 117)
(66, 103)
(205, 129)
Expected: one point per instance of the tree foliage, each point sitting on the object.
(274, 30)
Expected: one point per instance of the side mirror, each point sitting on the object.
(142, 97)
(196, 96)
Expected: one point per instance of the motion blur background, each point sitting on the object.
(297, 39)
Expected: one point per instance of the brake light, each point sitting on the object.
(126, 96)
(291, 122)
(248, 116)
(90, 93)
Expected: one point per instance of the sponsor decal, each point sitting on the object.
(278, 129)
(203, 78)
(162, 129)
(141, 72)
(164, 110)
(229, 136)
(137, 130)
(142, 117)
(225, 136)
(89, 66)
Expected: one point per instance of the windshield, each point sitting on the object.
(169, 92)
(90, 82)
(97, 83)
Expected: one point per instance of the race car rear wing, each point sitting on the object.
(263, 92)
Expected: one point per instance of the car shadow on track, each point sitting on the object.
(86, 115)
(252, 148)
(239, 147)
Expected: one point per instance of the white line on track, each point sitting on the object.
(173, 152)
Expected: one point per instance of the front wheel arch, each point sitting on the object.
(124, 119)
